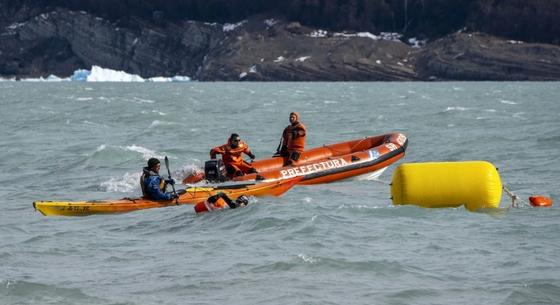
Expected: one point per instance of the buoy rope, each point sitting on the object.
(516, 202)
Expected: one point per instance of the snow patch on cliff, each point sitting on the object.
(228, 27)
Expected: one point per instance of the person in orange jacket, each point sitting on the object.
(220, 201)
(293, 140)
(232, 156)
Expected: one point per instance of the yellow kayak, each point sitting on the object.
(192, 195)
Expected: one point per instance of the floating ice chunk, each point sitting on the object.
(242, 75)
(179, 78)
(50, 78)
(280, 59)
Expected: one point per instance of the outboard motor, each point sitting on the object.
(215, 170)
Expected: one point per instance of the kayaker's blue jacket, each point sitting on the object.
(153, 186)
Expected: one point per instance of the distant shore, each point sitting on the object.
(261, 49)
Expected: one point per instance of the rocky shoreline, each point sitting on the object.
(261, 48)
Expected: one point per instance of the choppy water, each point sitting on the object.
(342, 243)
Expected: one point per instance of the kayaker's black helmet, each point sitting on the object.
(242, 200)
(153, 162)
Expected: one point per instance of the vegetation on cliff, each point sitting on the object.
(533, 21)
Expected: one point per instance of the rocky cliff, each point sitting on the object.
(258, 49)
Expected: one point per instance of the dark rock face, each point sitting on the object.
(477, 56)
(177, 49)
(258, 49)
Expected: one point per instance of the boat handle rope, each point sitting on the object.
(341, 151)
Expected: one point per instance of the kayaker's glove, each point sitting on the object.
(170, 181)
(295, 134)
(174, 196)
(252, 156)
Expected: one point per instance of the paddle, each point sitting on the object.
(279, 146)
(173, 186)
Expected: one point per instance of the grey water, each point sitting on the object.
(339, 243)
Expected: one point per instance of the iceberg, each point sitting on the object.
(50, 78)
(80, 75)
(99, 74)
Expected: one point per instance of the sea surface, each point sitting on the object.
(339, 243)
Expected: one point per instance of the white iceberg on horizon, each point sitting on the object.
(99, 74)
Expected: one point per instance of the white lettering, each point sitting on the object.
(315, 167)
(401, 139)
(391, 146)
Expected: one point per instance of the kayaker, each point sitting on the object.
(232, 155)
(220, 201)
(153, 185)
(293, 140)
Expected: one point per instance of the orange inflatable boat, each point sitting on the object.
(331, 162)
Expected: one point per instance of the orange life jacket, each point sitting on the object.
(296, 143)
(229, 154)
(207, 206)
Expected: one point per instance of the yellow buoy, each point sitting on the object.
(475, 184)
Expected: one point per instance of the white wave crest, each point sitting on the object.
(457, 108)
(101, 147)
(508, 102)
(141, 100)
(307, 258)
(157, 123)
(126, 184)
(146, 153)
(186, 170)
